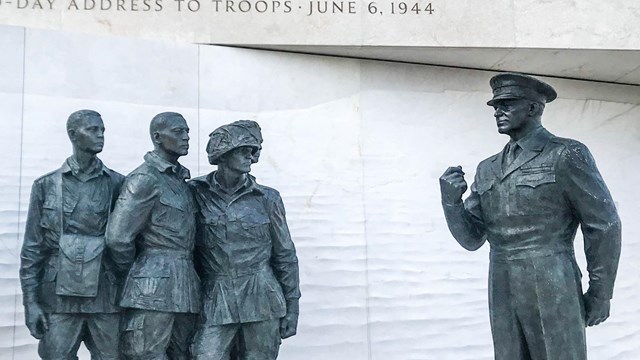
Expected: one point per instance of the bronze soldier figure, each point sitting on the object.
(244, 254)
(69, 288)
(527, 201)
(151, 235)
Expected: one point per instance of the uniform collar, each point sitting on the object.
(71, 165)
(535, 140)
(210, 181)
(163, 165)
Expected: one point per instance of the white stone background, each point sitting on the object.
(355, 148)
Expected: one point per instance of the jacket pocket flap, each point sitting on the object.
(167, 201)
(482, 186)
(536, 179)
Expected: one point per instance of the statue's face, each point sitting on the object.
(256, 154)
(511, 115)
(239, 159)
(89, 135)
(174, 137)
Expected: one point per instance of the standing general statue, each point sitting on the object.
(244, 254)
(151, 237)
(69, 287)
(527, 201)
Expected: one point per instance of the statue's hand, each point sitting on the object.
(452, 185)
(36, 320)
(288, 325)
(597, 310)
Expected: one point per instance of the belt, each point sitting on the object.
(234, 273)
(175, 253)
(519, 254)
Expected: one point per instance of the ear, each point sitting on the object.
(72, 134)
(155, 137)
(532, 109)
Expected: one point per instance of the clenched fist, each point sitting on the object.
(452, 185)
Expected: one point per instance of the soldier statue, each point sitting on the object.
(151, 236)
(527, 201)
(69, 287)
(244, 254)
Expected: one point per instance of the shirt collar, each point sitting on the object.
(535, 140)
(163, 165)
(249, 185)
(71, 165)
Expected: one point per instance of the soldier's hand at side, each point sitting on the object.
(597, 310)
(288, 325)
(36, 320)
(452, 185)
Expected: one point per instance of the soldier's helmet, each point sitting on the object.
(232, 136)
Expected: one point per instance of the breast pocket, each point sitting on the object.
(536, 191)
(484, 189)
(50, 218)
(173, 214)
(255, 225)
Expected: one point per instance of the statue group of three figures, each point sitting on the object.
(152, 266)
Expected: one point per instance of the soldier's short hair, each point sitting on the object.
(78, 117)
(160, 121)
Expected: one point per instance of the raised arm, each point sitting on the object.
(464, 219)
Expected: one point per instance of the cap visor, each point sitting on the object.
(503, 97)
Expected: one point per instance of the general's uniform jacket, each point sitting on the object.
(151, 236)
(244, 254)
(535, 206)
(83, 207)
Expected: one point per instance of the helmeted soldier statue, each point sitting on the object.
(69, 287)
(151, 235)
(244, 254)
(527, 201)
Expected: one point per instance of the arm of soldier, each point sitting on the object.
(464, 219)
(587, 194)
(32, 261)
(130, 215)
(285, 266)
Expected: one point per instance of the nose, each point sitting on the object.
(498, 112)
(186, 136)
(100, 134)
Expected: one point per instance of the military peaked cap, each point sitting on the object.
(520, 86)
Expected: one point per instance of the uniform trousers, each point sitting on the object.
(157, 335)
(258, 340)
(99, 331)
(537, 311)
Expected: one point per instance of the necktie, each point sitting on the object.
(511, 154)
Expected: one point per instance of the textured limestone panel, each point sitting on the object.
(11, 65)
(62, 64)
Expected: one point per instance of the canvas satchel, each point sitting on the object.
(80, 260)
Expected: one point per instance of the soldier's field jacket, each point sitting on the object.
(151, 235)
(535, 206)
(75, 203)
(244, 253)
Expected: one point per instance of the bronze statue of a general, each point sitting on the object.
(528, 201)
(69, 287)
(244, 254)
(151, 237)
